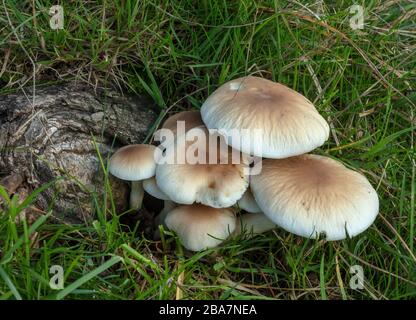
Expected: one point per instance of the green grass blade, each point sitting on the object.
(75, 285)
(322, 278)
(10, 284)
(9, 254)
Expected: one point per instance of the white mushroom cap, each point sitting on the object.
(150, 186)
(217, 185)
(133, 162)
(200, 227)
(310, 194)
(289, 123)
(248, 203)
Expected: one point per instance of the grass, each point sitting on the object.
(362, 81)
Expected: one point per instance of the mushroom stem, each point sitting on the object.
(136, 194)
(254, 223)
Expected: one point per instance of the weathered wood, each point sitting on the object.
(59, 136)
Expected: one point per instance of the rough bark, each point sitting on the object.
(59, 135)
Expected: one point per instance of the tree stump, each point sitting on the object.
(63, 135)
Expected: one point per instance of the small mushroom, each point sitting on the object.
(200, 227)
(254, 222)
(310, 194)
(279, 121)
(134, 163)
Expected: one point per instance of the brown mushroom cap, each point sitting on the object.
(289, 123)
(310, 194)
(133, 162)
(200, 227)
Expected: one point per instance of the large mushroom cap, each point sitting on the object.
(133, 162)
(310, 194)
(289, 123)
(200, 227)
(219, 184)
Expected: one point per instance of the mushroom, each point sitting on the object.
(310, 194)
(211, 178)
(248, 203)
(134, 163)
(200, 227)
(273, 120)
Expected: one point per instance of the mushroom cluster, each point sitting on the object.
(303, 193)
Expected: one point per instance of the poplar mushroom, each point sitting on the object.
(201, 227)
(207, 174)
(134, 163)
(311, 194)
(274, 120)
